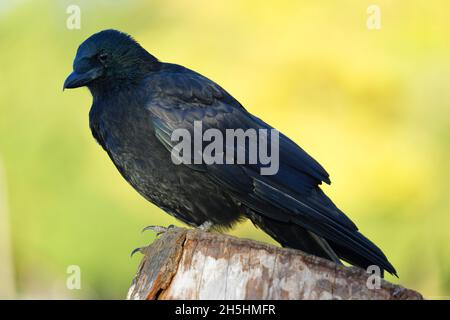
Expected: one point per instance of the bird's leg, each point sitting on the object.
(206, 226)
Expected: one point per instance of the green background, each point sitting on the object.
(372, 106)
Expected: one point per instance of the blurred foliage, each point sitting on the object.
(371, 105)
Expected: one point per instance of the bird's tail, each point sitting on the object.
(293, 236)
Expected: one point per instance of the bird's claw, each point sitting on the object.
(141, 249)
(159, 230)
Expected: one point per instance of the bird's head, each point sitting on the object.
(107, 56)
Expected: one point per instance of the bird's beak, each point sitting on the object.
(76, 80)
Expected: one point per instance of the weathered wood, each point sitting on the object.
(191, 264)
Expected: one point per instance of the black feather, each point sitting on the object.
(138, 103)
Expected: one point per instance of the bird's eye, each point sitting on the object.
(102, 57)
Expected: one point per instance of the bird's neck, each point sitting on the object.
(122, 94)
(104, 90)
(127, 78)
(118, 87)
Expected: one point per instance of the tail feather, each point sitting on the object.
(290, 235)
(293, 236)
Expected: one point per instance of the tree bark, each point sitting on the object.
(192, 264)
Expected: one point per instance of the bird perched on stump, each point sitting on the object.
(139, 103)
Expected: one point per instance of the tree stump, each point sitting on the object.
(192, 264)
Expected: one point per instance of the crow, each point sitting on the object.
(139, 102)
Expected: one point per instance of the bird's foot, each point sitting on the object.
(159, 230)
(206, 226)
(141, 250)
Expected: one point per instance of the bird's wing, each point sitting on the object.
(292, 195)
(182, 97)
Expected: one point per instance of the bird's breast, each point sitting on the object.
(127, 135)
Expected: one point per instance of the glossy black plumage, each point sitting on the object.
(138, 102)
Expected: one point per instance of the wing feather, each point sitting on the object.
(292, 195)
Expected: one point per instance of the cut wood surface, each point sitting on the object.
(192, 264)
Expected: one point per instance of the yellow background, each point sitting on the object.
(372, 106)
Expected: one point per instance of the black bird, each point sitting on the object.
(137, 103)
